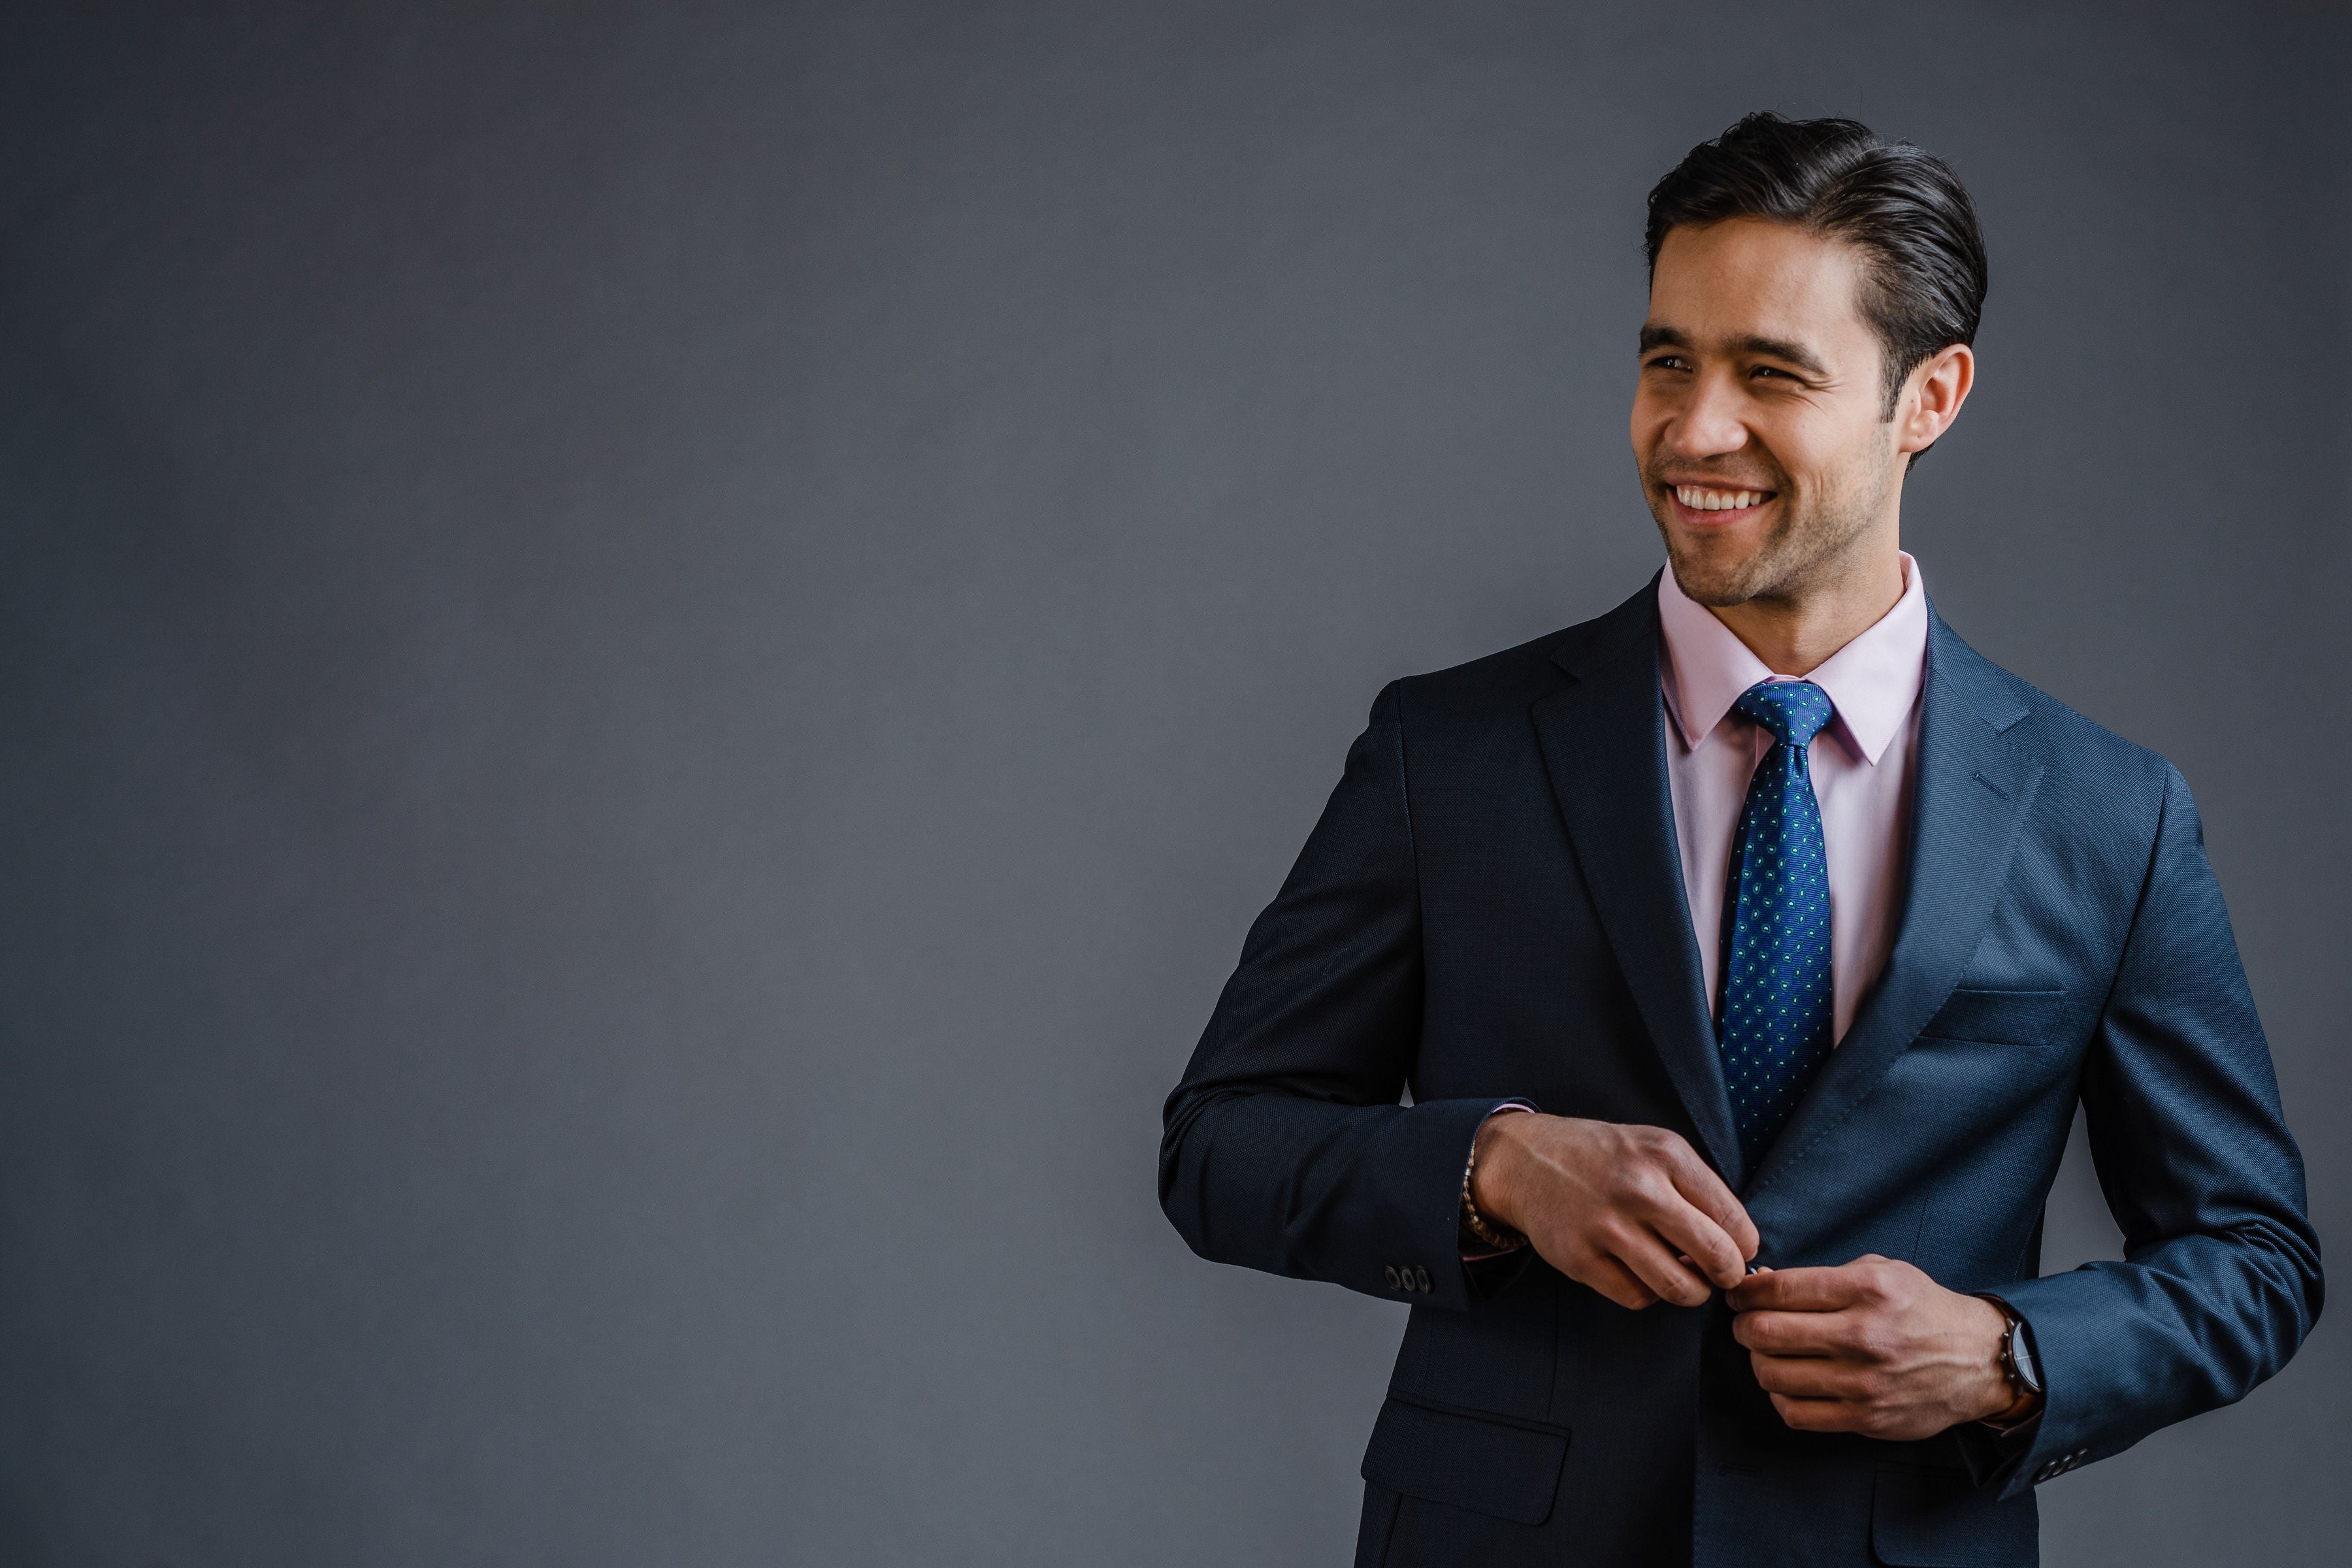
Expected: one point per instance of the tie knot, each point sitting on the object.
(1794, 710)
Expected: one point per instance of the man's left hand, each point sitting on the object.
(1872, 1346)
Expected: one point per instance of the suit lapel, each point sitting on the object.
(1603, 740)
(1969, 800)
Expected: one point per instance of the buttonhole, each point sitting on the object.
(1990, 785)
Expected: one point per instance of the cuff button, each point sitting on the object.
(1396, 1281)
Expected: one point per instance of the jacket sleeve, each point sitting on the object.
(1285, 1147)
(2221, 1280)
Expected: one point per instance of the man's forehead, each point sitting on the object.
(1746, 279)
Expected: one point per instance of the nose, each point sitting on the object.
(1708, 424)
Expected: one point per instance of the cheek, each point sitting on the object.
(1814, 465)
(1836, 456)
(1650, 419)
(1856, 469)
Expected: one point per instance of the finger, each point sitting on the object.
(1777, 1332)
(1808, 1377)
(1816, 1415)
(1797, 1290)
(1707, 1193)
(1654, 1264)
(1616, 1282)
(1692, 1232)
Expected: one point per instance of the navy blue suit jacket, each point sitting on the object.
(1492, 907)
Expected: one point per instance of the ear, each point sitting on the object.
(1932, 395)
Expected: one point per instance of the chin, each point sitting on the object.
(1716, 577)
(1715, 592)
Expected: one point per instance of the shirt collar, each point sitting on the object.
(1872, 681)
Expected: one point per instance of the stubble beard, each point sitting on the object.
(1809, 538)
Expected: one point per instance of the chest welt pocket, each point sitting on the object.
(1490, 1465)
(2004, 1017)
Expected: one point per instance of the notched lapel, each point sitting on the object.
(1969, 804)
(1603, 741)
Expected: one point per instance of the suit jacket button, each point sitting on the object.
(1421, 1278)
(1389, 1274)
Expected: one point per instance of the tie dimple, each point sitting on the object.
(1794, 710)
(1774, 1032)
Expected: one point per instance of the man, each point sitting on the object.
(1745, 952)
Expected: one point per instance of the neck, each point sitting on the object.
(1795, 633)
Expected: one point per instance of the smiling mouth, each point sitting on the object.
(1718, 505)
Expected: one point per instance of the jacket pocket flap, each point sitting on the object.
(1481, 1463)
(2004, 1017)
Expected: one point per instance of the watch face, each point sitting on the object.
(2020, 1356)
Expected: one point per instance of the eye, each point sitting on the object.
(1764, 370)
(1666, 362)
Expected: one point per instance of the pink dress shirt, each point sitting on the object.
(1862, 764)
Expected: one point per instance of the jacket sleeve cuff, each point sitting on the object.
(1421, 1263)
(1487, 1270)
(2064, 1318)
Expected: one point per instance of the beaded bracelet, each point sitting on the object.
(1492, 1232)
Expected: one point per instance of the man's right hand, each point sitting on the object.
(1633, 1212)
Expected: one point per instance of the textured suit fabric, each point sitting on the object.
(1491, 908)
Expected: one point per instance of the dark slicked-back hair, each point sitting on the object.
(1900, 205)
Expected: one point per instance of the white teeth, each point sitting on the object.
(1699, 499)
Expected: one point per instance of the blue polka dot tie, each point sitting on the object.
(1775, 1031)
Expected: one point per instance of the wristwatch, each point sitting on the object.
(2017, 1363)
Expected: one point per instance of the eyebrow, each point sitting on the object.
(1656, 337)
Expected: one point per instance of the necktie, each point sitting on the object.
(1775, 1032)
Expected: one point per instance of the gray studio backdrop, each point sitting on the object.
(651, 658)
